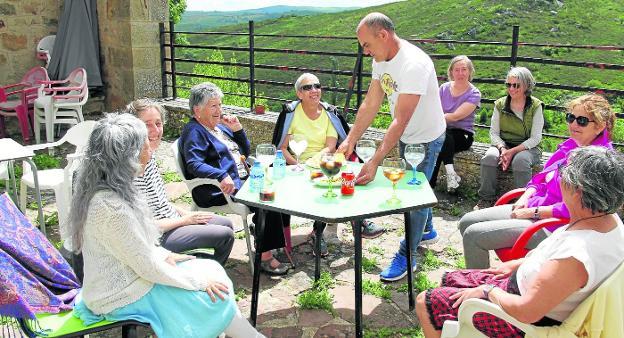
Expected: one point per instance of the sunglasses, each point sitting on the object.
(512, 85)
(580, 120)
(310, 86)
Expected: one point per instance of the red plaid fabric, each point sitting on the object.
(440, 307)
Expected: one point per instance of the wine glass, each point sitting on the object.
(365, 149)
(265, 154)
(298, 145)
(414, 154)
(394, 170)
(330, 166)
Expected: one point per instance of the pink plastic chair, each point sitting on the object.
(17, 100)
(60, 102)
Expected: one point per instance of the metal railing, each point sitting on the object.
(357, 75)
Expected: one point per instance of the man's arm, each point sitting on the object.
(364, 117)
(403, 111)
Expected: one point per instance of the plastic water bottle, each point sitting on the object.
(279, 165)
(256, 175)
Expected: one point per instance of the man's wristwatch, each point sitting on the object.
(487, 288)
(536, 214)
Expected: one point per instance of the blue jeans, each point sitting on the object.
(422, 217)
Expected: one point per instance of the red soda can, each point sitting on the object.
(348, 183)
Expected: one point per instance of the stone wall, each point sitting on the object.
(22, 24)
(129, 42)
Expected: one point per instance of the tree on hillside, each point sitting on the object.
(176, 8)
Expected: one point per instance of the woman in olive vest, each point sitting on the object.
(515, 134)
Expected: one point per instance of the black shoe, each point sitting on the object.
(324, 249)
(280, 270)
(370, 230)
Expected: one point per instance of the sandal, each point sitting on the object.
(279, 270)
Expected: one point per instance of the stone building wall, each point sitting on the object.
(129, 43)
(22, 24)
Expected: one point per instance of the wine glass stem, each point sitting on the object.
(329, 191)
(414, 173)
(394, 196)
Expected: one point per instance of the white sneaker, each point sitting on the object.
(452, 181)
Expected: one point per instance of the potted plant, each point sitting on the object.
(260, 108)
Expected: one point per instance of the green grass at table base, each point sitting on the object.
(377, 289)
(318, 297)
(391, 332)
(369, 265)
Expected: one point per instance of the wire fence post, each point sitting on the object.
(252, 68)
(163, 56)
(174, 86)
(514, 45)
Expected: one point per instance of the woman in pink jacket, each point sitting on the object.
(590, 120)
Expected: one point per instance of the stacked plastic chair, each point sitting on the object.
(16, 100)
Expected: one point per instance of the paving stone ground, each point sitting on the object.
(279, 315)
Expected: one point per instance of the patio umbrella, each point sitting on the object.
(77, 42)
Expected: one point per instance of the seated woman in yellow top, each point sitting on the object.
(320, 125)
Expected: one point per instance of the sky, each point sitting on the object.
(236, 5)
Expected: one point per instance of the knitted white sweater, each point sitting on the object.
(121, 261)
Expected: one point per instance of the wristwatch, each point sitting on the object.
(536, 214)
(487, 288)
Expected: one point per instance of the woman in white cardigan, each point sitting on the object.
(126, 275)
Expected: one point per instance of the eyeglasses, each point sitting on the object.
(310, 86)
(514, 85)
(580, 120)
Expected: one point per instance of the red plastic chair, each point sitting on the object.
(17, 100)
(519, 248)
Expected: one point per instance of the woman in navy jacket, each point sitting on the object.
(211, 146)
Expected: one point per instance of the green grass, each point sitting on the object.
(377, 289)
(422, 283)
(390, 332)
(376, 250)
(318, 297)
(170, 176)
(49, 219)
(429, 261)
(186, 198)
(240, 294)
(369, 265)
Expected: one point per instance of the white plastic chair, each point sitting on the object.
(230, 208)
(59, 180)
(60, 102)
(608, 294)
(44, 49)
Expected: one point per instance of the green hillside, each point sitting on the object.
(570, 22)
(197, 21)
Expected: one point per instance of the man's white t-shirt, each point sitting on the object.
(411, 71)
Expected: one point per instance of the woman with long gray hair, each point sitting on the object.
(553, 279)
(126, 275)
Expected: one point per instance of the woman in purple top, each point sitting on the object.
(460, 99)
(590, 121)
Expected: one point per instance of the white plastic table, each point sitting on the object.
(12, 151)
(296, 195)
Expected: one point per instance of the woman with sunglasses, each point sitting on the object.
(515, 134)
(323, 128)
(590, 121)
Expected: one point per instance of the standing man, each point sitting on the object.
(406, 75)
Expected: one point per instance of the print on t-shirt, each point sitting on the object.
(388, 85)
